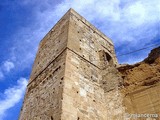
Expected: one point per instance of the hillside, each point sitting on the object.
(141, 84)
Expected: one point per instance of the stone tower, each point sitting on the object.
(67, 75)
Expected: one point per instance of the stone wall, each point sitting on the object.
(51, 46)
(87, 41)
(43, 99)
(110, 82)
(83, 97)
(87, 49)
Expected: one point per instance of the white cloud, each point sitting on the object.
(12, 96)
(141, 12)
(124, 21)
(8, 65)
(136, 13)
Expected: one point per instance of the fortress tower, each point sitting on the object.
(74, 77)
(66, 82)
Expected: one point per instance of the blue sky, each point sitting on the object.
(131, 24)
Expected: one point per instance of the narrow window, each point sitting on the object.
(108, 58)
(105, 58)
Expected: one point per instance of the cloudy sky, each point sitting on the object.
(131, 24)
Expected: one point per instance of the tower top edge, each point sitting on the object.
(71, 11)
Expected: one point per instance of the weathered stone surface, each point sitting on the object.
(141, 85)
(51, 46)
(65, 82)
(43, 99)
(74, 77)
